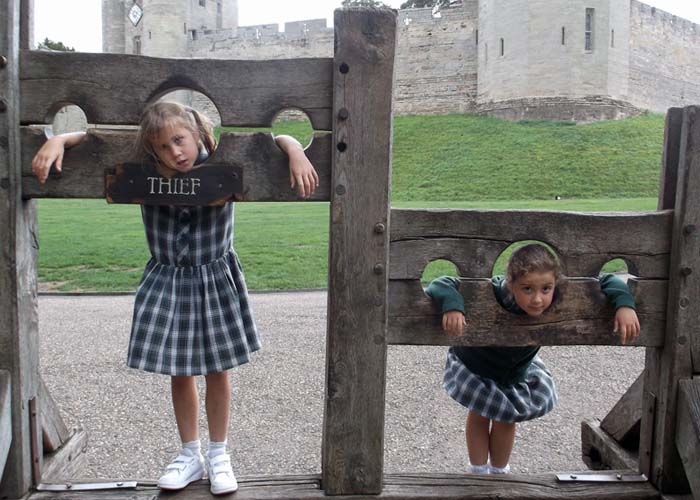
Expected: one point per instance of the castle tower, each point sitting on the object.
(162, 28)
(535, 52)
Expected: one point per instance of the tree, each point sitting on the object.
(363, 3)
(416, 4)
(51, 45)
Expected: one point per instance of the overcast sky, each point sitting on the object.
(76, 23)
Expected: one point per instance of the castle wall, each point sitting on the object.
(436, 60)
(664, 55)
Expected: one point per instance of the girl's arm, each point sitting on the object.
(52, 151)
(445, 293)
(626, 320)
(301, 173)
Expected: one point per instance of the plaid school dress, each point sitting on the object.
(191, 311)
(530, 398)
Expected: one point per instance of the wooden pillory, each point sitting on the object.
(377, 256)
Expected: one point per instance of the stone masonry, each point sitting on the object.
(576, 60)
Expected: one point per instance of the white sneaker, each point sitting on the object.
(186, 468)
(499, 470)
(220, 474)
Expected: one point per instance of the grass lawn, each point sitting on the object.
(438, 161)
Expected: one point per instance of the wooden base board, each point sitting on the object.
(396, 487)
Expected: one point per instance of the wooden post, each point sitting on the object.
(18, 306)
(358, 256)
(665, 366)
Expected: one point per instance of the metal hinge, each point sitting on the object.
(119, 485)
(615, 477)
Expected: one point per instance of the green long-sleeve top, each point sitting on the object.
(503, 364)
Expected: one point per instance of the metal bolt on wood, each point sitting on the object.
(686, 271)
(3, 61)
(3, 106)
(379, 269)
(343, 114)
(379, 228)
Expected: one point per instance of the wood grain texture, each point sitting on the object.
(68, 461)
(673, 362)
(582, 316)
(600, 451)
(668, 180)
(53, 429)
(397, 487)
(5, 417)
(265, 167)
(18, 252)
(622, 421)
(688, 431)
(353, 443)
(473, 239)
(113, 89)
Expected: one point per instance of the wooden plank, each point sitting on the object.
(599, 450)
(114, 88)
(18, 253)
(265, 167)
(397, 487)
(68, 461)
(668, 181)
(582, 316)
(5, 417)
(353, 437)
(673, 362)
(622, 422)
(53, 429)
(472, 239)
(688, 431)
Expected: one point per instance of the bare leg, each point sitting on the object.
(218, 402)
(477, 438)
(501, 443)
(186, 407)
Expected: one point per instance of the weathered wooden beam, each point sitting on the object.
(623, 420)
(396, 487)
(68, 461)
(473, 239)
(115, 88)
(265, 166)
(688, 431)
(582, 316)
(18, 253)
(53, 429)
(659, 458)
(5, 417)
(353, 437)
(599, 450)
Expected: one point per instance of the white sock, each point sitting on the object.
(216, 448)
(499, 470)
(193, 446)
(480, 469)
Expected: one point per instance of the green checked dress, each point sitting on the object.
(191, 311)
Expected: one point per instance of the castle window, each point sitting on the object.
(477, 37)
(563, 35)
(202, 3)
(503, 47)
(137, 45)
(589, 30)
(194, 34)
(612, 38)
(218, 7)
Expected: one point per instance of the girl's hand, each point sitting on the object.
(52, 151)
(453, 323)
(627, 323)
(302, 174)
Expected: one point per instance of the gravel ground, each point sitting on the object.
(277, 406)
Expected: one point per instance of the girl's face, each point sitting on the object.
(177, 147)
(533, 292)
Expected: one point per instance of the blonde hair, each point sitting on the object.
(532, 258)
(162, 114)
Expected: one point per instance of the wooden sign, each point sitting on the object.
(144, 184)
